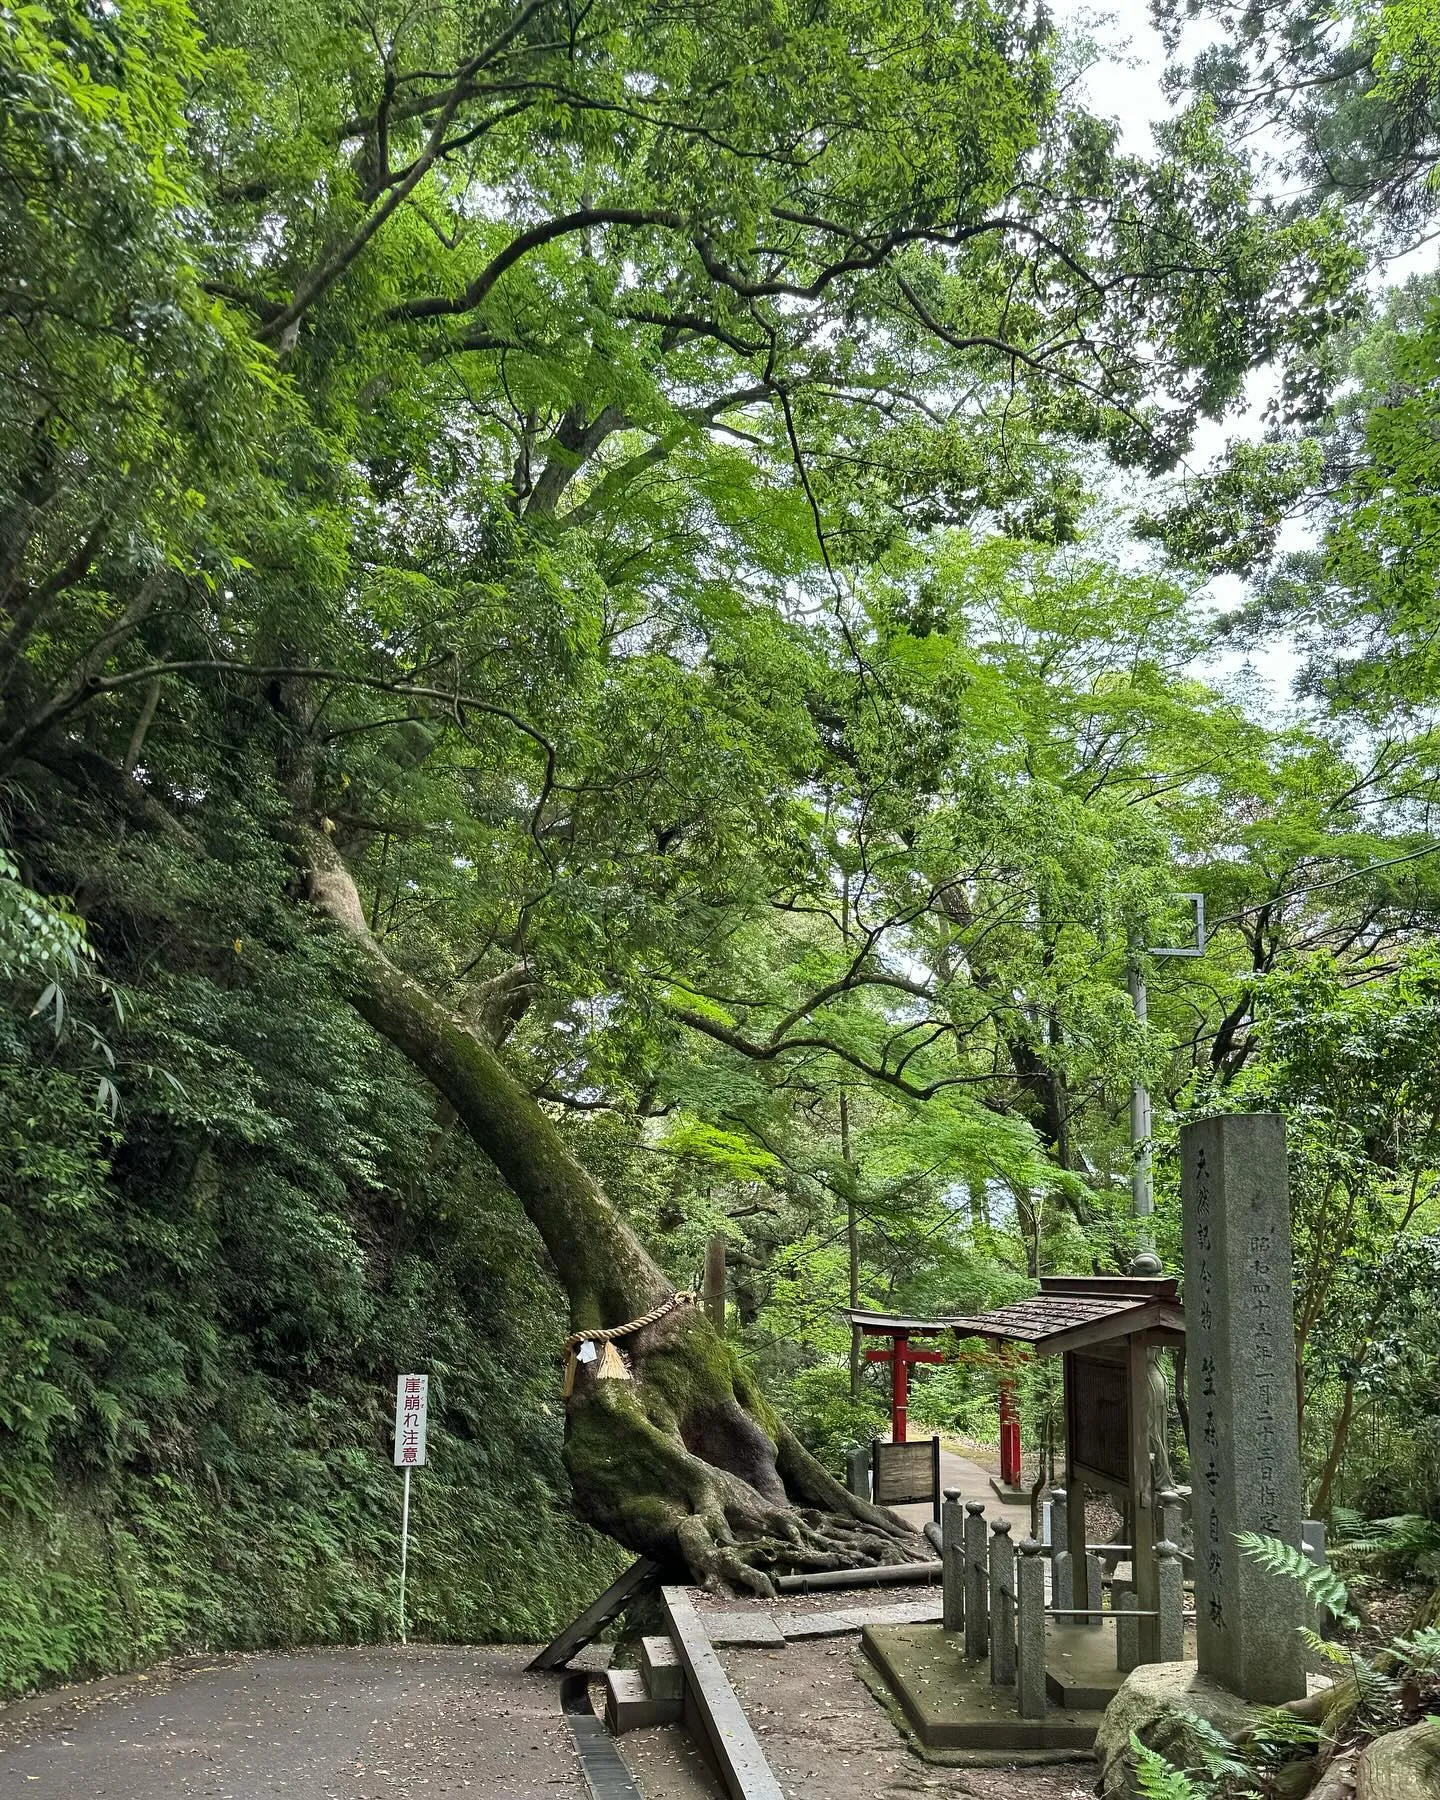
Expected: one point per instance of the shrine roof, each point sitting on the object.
(1069, 1311)
(886, 1324)
(1045, 1316)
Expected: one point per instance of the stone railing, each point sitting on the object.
(994, 1591)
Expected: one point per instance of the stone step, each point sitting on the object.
(660, 1669)
(628, 1707)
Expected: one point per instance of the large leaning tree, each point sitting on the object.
(446, 436)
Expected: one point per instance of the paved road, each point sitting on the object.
(374, 1724)
(974, 1484)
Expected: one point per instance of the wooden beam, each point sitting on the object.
(641, 1576)
(1074, 1488)
(1161, 1315)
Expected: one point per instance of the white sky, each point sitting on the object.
(1125, 86)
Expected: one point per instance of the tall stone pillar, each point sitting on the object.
(1240, 1353)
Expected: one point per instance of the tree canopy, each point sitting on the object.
(580, 669)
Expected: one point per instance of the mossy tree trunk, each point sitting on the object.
(685, 1462)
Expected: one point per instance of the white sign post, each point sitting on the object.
(412, 1403)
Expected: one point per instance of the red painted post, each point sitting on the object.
(900, 1356)
(1009, 1438)
(899, 1386)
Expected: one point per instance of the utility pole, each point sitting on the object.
(1142, 1175)
(1145, 1261)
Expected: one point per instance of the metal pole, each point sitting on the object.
(1142, 1186)
(404, 1550)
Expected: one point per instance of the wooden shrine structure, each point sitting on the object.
(1104, 1326)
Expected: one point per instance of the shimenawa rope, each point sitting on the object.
(577, 1338)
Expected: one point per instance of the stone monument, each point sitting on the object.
(1244, 1449)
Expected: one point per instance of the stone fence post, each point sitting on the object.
(977, 1582)
(1094, 1590)
(1062, 1580)
(1127, 1628)
(952, 1562)
(1172, 1601)
(1030, 1628)
(857, 1470)
(1002, 1605)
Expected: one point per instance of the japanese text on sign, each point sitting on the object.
(412, 1400)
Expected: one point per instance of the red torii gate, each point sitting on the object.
(901, 1354)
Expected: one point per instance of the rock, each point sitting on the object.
(1149, 1702)
(1402, 1765)
(1293, 1780)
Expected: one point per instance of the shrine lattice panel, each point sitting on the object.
(1100, 1416)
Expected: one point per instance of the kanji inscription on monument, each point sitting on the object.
(1245, 1451)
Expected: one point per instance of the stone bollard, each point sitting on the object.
(1312, 1542)
(1171, 1601)
(952, 1562)
(1062, 1575)
(1002, 1605)
(1172, 1513)
(1062, 1583)
(1094, 1589)
(1127, 1629)
(977, 1584)
(857, 1471)
(1030, 1629)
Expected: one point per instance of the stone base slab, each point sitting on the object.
(1080, 1669)
(950, 1703)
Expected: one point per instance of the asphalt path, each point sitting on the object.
(365, 1724)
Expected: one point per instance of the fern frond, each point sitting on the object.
(1402, 1538)
(1323, 1586)
(1364, 1696)
(1420, 1651)
(1323, 1648)
(1160, 1780)
(1215, 1751)
(1376, 1691)
(1279, 1729)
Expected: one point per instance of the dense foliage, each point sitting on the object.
(641, 489)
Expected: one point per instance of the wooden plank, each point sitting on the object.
(912, 1612)
(637, 1579)
(801, 1626)
(905, 1473)
(772, 1630)
(875, 1575)
(711, 1709)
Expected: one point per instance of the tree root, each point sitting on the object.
(755, 1505)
